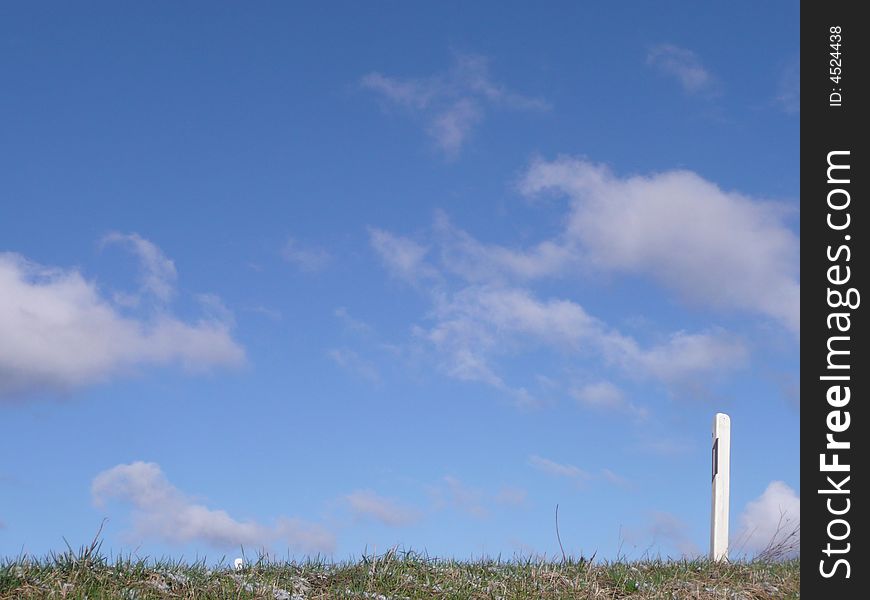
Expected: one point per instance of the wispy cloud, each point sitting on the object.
(463, 255)
(366, 504)
(670, 528)
(512, 496)
(606, 397)
(769, 520)
(354, 363)
(161, 511)
(157, 273)
(616, 479)
(403, 257)
(213, 309)
(663, 529)
(682, 64)
(550, 467)
(686, 362)
(451, 104)
(59, 332)
(410, 93)
(351, 322)
(306, 258)
(715, 250)
(451, 128)
(478, 323)
(573, 472)
(453, 493)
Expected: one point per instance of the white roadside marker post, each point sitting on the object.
(721, 486)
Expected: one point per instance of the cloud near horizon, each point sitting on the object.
(59, 332)
(769, 520)
(672, 529)
(161, 511)
(663, 529)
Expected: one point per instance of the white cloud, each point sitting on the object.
(163, 512)
(601, 395)
(368, 504)
(478, 323)
(353, 362)
(715, 248)
(409, 93)
(460, 360)
(606, 397)
(453, 103)
(214, 309)
(452, 127)
(682, 64)
(718, 250)
(769, 520)
(686, 362)
(305, 258)
(477, 262)
(556, 321)
(555, 469)
(157, 272)
(403, 257)
(472, 71)
(57, 332)
(351, 322)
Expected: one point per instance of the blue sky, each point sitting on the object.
(328, 278)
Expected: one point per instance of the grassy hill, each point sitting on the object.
(395, 576)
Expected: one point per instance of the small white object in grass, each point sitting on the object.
(239, 564)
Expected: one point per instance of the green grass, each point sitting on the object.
(393, 576)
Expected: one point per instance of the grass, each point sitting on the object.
(394, 576)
